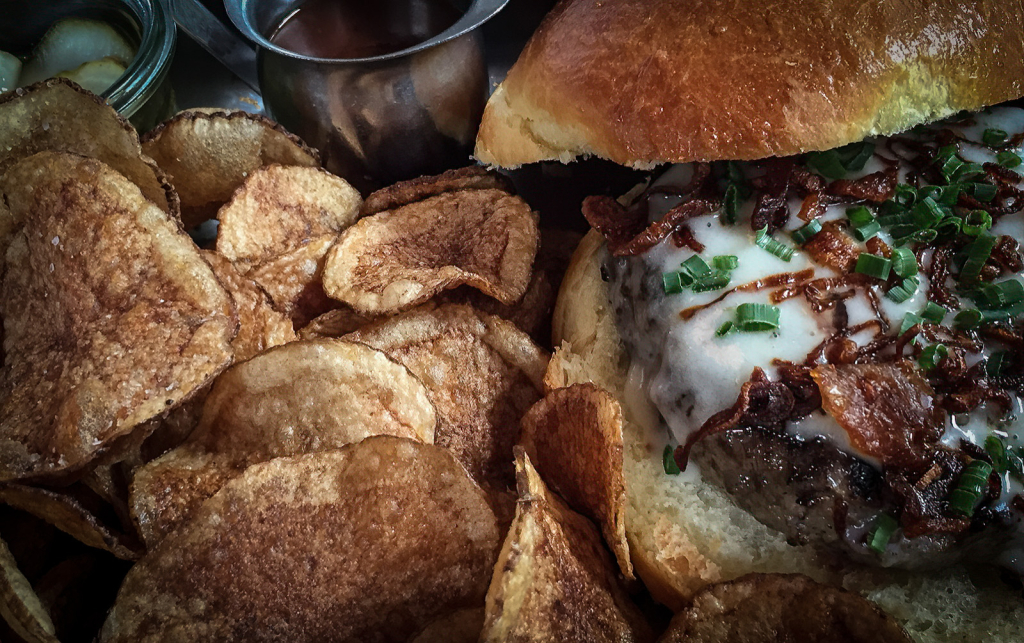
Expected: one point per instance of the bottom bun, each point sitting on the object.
(685, 534)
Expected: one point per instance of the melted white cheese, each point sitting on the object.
(699, 374)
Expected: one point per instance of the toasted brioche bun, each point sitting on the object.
(685, 534)
(642, 82)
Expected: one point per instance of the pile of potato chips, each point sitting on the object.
(325, 426)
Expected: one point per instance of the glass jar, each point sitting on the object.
(142, 94)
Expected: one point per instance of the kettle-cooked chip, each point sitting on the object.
(764, 608)
(481, 372)
(20, 607)
(71, 515)
(399, 258)
(554, 580)
(259, 326)
(280, 208)
(59, 115)
(294, 280)
(369, 542)
(473, 177)
(532, 313)
(208, 155)
(335, 323)
(575, 436)
(110, 314)
(297, 398)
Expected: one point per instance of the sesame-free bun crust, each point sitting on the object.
(685, 534)
(642, 82)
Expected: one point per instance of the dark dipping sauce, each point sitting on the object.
(360, 29)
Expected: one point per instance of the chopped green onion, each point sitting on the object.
(865, 232)
(855, 155)
(945, 153)
(977, 221)
(904, 263)
(968, 170)
(993, 137)
(881, 533)
(950, 166)
(726, 262)
(859, 216)
(768, 243)
(967, 319)
(804, 234)
(931, 356)
(1000, 295)
(668, 459)
(996, 364)
(924, 236)
(696, 267)
(735, 173)
(909, 321)
(950, 226)
(726, 328)
(863, 223)
(715, 280)
(1015, 464)
(970, 488)
(1008, 159)
(997, 451)
(933, 313)
(927, 213)
(732, 203)
(673, 282)
(906, 195)
(757, 317)
(901, 217)
(977, 254)
(984, 192)
(873, 265)
(892, 207)
(826, 164)
(904, 290)
(1005, 314)
(942, 194)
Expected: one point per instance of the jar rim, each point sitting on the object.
(152, 61)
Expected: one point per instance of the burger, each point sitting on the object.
(812, 310)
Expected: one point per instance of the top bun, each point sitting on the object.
(642, 82)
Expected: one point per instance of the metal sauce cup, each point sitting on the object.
(381, 119)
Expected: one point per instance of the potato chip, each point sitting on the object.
(71, 515)
(78, 592)
(259, 326)
(462, 626)
(370, 542)
(481, 373)
(298, 398)
(575, 436)
(399, 258)
(280, 208)
(532, 313)
(554, 580)
(335, 323)
(473, 177)
(19, 605)
(59, 115)
(207, 155)
(764, 608)
(110, 314)
(294, 281)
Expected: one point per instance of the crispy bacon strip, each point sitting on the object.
(887, 410)
(761, 403)
(771, 208)
(875, 187)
